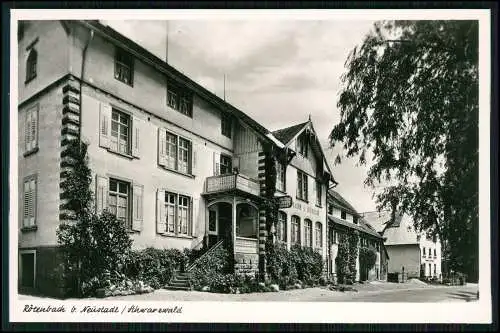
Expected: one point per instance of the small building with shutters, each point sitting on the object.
(177, 164)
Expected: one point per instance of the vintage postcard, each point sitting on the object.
(316, 166)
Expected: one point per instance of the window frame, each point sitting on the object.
(319, 193)
(302, 144)
(308, 236)
(124, 60)
(31, 138)
(178, 148)
(31, 63)
(34, 202)
(229, 165)
(129, 218)
(226, 124)
(295, 224)
(281, 230)
(281, 176)
(343, 215)
(320, 229)
(178, 97)
(177, 224)
(302, 186)
(129, 125)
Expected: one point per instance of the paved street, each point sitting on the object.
(381, 292)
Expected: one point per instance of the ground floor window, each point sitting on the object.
(307, 233)
(295, 230)
(246, 221)
(281, 228)
(28, 269)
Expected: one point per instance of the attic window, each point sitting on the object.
(124, 67)
(355, 219)
(343, 215)
(302, 144)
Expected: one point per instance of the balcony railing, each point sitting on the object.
(230, 182)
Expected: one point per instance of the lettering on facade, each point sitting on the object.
(306, 208)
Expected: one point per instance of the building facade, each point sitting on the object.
(411, 252)
(342, 219)
(178, 165)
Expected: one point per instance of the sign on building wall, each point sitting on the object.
(284, 202)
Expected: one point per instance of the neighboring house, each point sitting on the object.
(343, 218)
(411, 252)
(177, 164)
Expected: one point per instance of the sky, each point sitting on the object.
(277, 72)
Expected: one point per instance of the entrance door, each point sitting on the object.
(212, 226)
(220, 218)
(28, 270)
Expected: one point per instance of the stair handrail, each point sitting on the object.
(213, 248)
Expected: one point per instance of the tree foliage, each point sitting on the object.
(409, 98)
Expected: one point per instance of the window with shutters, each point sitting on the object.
(280, 176)
(119, 200)
(295, 230)
(31, 130)
(120, 132)
(302, 188)
(307, 233)
(178, 213)
(318, 235)
(281, 227)
(179, 99)
(124, 67)
(226, 125)
(178, 153)
(29, 202)
(31, 64)
(225, 164)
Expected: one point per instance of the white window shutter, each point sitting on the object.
(136, 137)
(194, 158)
(34, 191)
(101, 193)
(104, 125)
(27, 130)
(34, 128)
(194, 206)
(161, 222)
(216, 163)
(137, 207)
(162, 141)
(26, 204)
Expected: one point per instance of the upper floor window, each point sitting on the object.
(424, 251)
(302, 188)
(302, 144)
(343, 215)
(295, 231)
(281, 227)
(174, 152)
(29, 202)
(124, 66)
(179, 99)
(355, 219)
(226, 125)
(31, 64)
(120, 132)
(319, 193)
(225, 164)
(31, 129)
(435, 253)
(280, 176)
(330, 209)
(318, 234)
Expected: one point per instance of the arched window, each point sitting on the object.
(318, 230)
(31, 65)
(308, 233)
(281, 227)
(295, 230)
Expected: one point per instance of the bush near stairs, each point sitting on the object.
(154, 266)
(210, 268)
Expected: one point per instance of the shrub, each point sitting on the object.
(308, 263)
(154, 266)
(210, 269)
(341, 262)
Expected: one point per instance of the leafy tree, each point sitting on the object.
(410, 99)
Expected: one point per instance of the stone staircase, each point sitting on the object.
(180, 281)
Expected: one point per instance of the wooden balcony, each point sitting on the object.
(231, 182)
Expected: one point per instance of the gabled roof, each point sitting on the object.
(151, 59)
(399, 232)
(360, 227)
(286, 134)
(341, 202)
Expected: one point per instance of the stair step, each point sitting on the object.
(178, 283)
(172, 287)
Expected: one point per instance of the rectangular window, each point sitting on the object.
(124, 67)
(355, 219)
(302, 187)
(120, 132)
(180, 99)
(343, 215)
(423, 252)
(226, 125)
(31, 129)
(302, 144)
(295, 231)
(178, 213)
(307, 233)
(280, 177)
(30, 201)
(330, 209)
(178, 153)
(435, 253)
(119, 200)
(319, 193)
(225, 165)
(318, 235)
(281, 228)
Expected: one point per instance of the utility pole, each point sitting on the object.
(166, 45)
(224, 87)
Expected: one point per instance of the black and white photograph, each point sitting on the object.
(333, 165)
